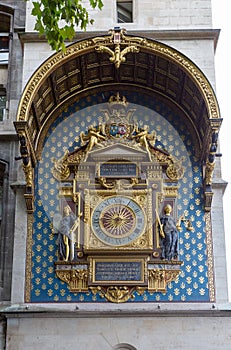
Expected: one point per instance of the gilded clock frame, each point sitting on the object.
(143, 242)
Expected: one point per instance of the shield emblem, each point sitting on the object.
(113, 130)
(122, 129)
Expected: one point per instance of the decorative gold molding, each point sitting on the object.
(30, 220)
(209, 242)
(171, 191)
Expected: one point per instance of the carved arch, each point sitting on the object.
(154, 67)
(65, 75)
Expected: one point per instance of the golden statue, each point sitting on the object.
(93, 137)
(143, 137)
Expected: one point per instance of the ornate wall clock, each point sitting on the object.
(118, 181)
(118, 220)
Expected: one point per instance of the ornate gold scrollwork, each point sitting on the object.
(117, 38)
(115, 294)
(28, 171)
(61, 170)
(118, 184)
(76, 279)
(171, 275)
(209, 173)
(175, 171)
(159, 278)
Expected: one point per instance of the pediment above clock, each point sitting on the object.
(118, 151)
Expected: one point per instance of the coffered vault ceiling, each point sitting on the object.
(156, 69)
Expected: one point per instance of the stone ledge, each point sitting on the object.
(118, 310)
(18, 185)
(189, 34)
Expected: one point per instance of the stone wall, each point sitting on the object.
(151, 15)
(161, 331)
(9, 144)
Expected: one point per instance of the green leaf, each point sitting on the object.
(48, 14)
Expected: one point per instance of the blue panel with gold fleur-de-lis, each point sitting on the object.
(192, 285)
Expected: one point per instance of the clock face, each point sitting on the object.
(118, 220)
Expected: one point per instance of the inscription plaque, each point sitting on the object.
(118, 170)
(121, 271)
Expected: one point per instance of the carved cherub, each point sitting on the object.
(143, 138)
(93, 137)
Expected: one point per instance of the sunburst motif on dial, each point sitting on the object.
(118, 220)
